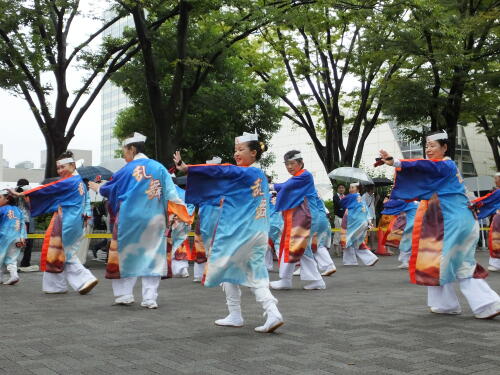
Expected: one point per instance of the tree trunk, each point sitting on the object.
(493, 140)
(494, 143)
(452, 109)
(152, 83)
(56, 145)
(176, 108)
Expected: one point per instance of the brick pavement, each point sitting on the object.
(370, 320)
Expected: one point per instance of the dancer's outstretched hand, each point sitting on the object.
(179, 164)
(15, 193)
(386, 158)
(94, 186)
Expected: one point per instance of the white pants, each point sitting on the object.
(366, 256)
(11, 255)
(125, 287)
(74, 273)
(308, 269)
(198, 270)
(477, 292)
(404, 257)
(323, 258)
(495, 262)
(262, 295)
(178, 266)
(269, 259)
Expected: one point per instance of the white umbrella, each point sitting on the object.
(350, 174)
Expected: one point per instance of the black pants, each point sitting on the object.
(26, 261)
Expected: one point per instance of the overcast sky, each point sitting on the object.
(22, 139)
(21, 136)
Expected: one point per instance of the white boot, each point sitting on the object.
(274, 319)
(198, 270)
(281, 284)
(330, 270)
(316, 285)
(14, 278)
(125, 300)
(489, 312)
(233, 300)
(183, 274)
(234, 319)
(88, 286)
(149, 304)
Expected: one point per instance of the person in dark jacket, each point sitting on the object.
(339, 213)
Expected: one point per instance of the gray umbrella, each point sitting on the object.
(350, 174)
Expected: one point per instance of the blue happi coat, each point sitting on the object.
(393, 207)
(402, 223)
(445, 229)
(239, 241)
(276, 221)
(208, 213)
(301, 209)
(323, 236)
(355, 220)
(410, 210)
(140, 196)
(488, 205)
(65, 198)
(12, 230)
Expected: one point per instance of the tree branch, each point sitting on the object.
(113, 67)
(91, 38)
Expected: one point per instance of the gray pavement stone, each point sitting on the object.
(370, 320)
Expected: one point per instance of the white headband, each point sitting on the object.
(4, 192)
(65, 161)
(214, 160)
(246, 137)
(354, 184)
(138, 137)
(497, 174)
(438, 136)
(296, 156)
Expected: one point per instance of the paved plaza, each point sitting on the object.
(370, 320)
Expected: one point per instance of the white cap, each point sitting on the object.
(4, 192)
(214, 160)
(354, 184)
(497, 174)
(65, 161)
(246, 137)
(438, 136)
(138, 137)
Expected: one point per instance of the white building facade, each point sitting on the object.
(113, 100)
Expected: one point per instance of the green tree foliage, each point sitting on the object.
(338, 57)
(36, 60)
(482, 107)
(222, 24)
(230, 100)
(453, 48)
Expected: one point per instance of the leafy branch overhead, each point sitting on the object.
(38, 56)
(321, 52)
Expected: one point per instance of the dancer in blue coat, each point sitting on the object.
(445, 232)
